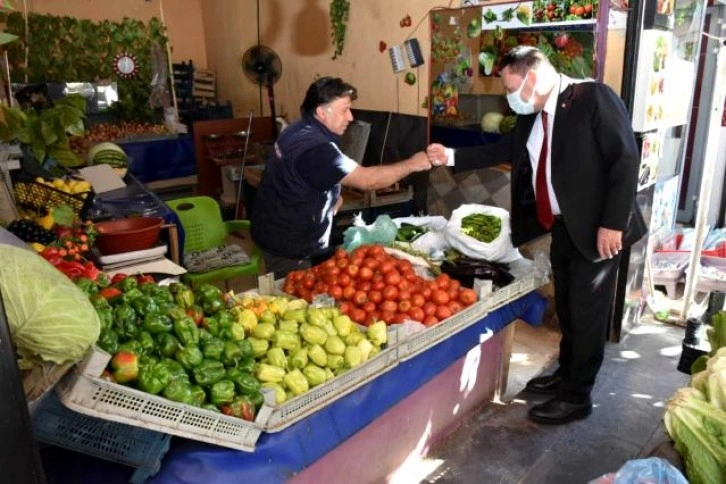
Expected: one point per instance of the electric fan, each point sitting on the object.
(263, 66)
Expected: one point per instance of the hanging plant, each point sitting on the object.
(65, 49)
(339, 10)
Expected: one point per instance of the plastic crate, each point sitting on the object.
(294, 410)
(518, 287)
(36, 196)
(110, 401)
(419, 342)
(668, 266)
(139, 448)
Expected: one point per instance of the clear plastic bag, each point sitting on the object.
(653, 470)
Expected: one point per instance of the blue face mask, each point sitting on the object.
(516, 102)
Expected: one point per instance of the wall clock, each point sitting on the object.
(125, 65)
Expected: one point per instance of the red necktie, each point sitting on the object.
(544, 209)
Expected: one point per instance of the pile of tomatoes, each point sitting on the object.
(371, 285)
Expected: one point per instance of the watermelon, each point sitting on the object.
(108, 154)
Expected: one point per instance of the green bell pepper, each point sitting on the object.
(145, 305)
(132, 346)
(189, 357)
(241, 407)
(257, 399)
(209, 372)
(247, 365)
(108, 341)
(176, 313)
(154, 378)
(247, 350)
(183, 295)
(178, 390)
(160, 293)
(211, 407)
(167, 344)
(186, 331)
(259, 346)
(99, 302)
(225, 318)
(232, 353)
(156, 323)
(175, 369)
(105, 317)
(204, 335)
(87, 286)
(146, 341)
(222, 392)
(199, 396)
(128, 283)
(124, 320)
(132, 295)
(245, 383)
(213, 348)
(210, 298)
(211, 324)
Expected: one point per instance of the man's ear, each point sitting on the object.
(320, 112)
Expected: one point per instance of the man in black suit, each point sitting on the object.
(574, 173)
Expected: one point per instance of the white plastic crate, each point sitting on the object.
(418, 342)
(518, 287)
(294, 410)
(110, 401)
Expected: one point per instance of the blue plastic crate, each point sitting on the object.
(136, 447)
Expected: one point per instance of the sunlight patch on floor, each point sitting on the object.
(630, 355)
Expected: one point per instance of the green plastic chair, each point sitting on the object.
(204, 229)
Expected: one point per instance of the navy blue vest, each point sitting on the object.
(291, 218)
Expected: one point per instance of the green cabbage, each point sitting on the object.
(49, 317)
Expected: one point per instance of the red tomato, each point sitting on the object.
(340, 253)
(344, 279)
(393, 278)
(369, 307)
(454, 284)
(430, 320)
(328, 264)
(467, 296)
(357, 315)
(417, 300)
(432, 285)
(404, 305)
(365, 286)
(306, 295)
(404, 285)
(375, 296)
(344, 307)
(335, 291)
(370, 263)
(404, 265)
(426, 293)
(455, 306)
(361, 252)
(378, 285)
(387, 316)
(348, 292)
(376, 249)
(429, 308)
(390, 293)
(440, 296)
(442, 312)
(443, 281)
(334, 271)
(417, 314)
(404, 294)
(357, 261)
(332, 280)
(295, 275)
(342, 263)
(289, 287)
(453, 293)
(399, 318)
(386, 267)
(360, 298)
(389, 306)
(352, 270)
(308, 283)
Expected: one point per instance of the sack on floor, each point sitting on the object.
(653, 470)
(499, 249)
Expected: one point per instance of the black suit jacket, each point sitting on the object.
(595, 162)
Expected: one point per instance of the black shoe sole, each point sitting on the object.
(576, 415)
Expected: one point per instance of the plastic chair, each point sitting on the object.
(204, 229)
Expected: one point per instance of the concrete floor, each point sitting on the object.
(499, 444)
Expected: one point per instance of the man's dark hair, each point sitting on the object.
(521, 59)
(325, 90)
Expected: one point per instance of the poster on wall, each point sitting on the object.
(506, 16)
(650, 103)
(665, 199)
(652, 144)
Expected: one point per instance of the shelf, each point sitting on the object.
(583, 24)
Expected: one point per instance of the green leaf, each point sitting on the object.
(63, 215)
(49, 128)
(65, 157)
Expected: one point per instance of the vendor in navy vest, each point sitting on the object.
(300, 190)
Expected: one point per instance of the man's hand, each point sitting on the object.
(419, 162)
(609, 242)
(437, 154)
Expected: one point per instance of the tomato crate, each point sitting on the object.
(102, 399)
(32, 195)
(132, 446)
(517, 288)
(420, 341)
(294, 410)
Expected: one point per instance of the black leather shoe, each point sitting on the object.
(545, 384)
(557, 412)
